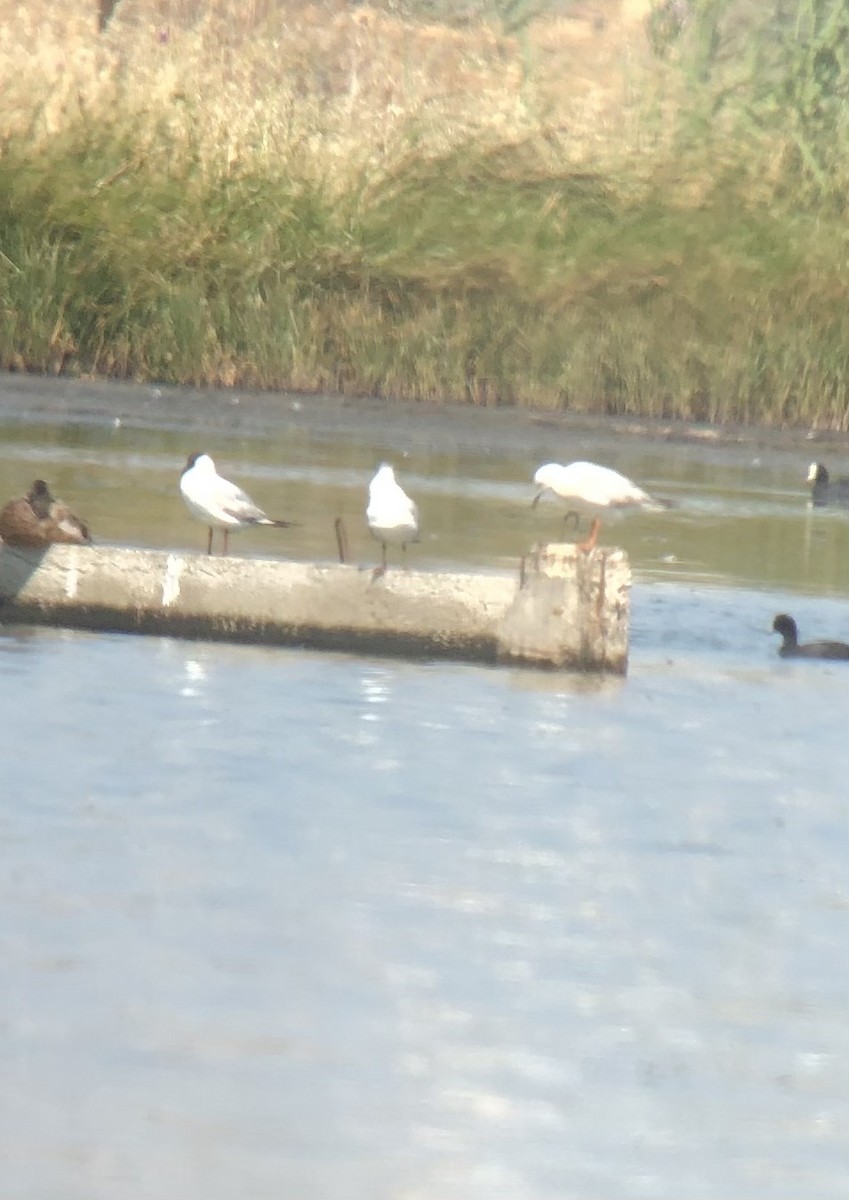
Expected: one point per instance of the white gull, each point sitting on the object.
(217, 502)
(593, 491)
(392, 516)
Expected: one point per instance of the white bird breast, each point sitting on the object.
(392, 516)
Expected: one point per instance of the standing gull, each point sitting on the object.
(218, 503)
(593, 491)
(38, 520)
(392, 516)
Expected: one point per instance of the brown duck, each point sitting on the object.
(37, 520)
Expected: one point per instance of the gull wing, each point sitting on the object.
(237, 503)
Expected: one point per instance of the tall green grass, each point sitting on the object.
(705, 279)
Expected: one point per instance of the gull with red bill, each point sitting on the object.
(593, 491)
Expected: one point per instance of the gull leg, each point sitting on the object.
(592, 537)
(381, 570)
(209, 541)
(226, 536)
(341, 539)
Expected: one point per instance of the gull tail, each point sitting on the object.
(659, 504)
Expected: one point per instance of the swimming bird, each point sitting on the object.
(594, 491)
(824, 490)
(37, 520)
(790, 647)
(217, 502)
(392, 516)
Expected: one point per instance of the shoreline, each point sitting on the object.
(36, 398)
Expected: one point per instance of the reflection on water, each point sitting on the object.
(288, 924)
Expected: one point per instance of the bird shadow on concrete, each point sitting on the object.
(17, 565)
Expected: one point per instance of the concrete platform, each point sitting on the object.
(561, 608)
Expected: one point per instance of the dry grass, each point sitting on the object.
(337, 86)
(502, 210)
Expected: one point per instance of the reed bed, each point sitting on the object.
(524, 207)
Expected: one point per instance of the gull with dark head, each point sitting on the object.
(593, 491)
(217, 502)
(392, 516)
(38, 519)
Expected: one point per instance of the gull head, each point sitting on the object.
(817, 473)
(385, 473)
(545, 478)
(199, 462)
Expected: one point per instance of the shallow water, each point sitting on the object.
(276, 923)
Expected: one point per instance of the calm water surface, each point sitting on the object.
(281, 924)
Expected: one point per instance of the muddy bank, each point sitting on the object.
(409, 424)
